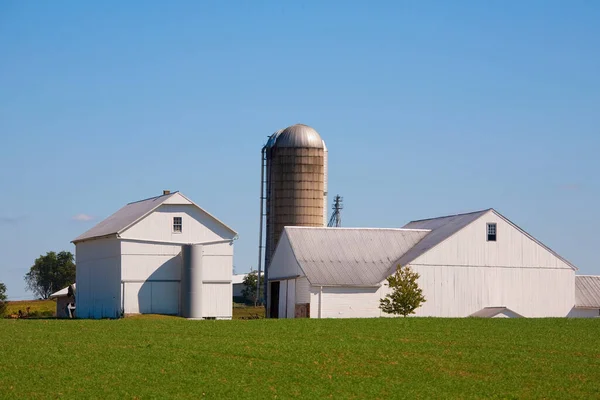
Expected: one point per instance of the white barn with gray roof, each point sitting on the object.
(131, 262)
(467, 263)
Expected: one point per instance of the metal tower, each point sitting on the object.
(336, 218)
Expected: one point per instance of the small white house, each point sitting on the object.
(467, 263)
(132, 263)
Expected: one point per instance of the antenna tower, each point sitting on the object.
(336, 218)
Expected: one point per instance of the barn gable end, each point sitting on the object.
(513, 248)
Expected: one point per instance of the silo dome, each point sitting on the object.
(298, 135)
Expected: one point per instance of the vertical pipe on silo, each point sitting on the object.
(260, 232)
(191, 281)
(325, 183)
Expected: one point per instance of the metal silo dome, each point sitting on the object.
(298, 135)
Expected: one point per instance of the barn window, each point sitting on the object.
(491, 232)
(177, 224)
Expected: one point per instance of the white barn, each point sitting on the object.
(131, 262)
(467, 263)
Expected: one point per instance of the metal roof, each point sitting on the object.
(489, 312)
(62, 292)
(350, 256)
(441, 229)
(130, 214)
(298, 135)
(587, 291)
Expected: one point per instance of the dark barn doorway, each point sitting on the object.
(274, 304)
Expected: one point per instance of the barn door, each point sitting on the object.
(274, 303)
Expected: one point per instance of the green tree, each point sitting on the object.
(50, 273)
(3, 298)
(406, 295)
(249, 290)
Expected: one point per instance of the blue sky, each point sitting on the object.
(427, 108)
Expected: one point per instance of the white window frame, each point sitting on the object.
(180, 224)
(487, 231)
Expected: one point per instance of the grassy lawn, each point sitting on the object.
(371, 358)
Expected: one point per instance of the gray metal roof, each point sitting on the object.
(441, 229)
(298, 135)
(489, 312)
(350, 256)
(587, 291)
(130, 214)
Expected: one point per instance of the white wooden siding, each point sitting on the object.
(512, 249)
(282, 306)
(459, 292)
(344, 302)
(151, 297)
(302, 290)
(284, 264)
(217, 300)
(197, 226)
(98, 277)
(151, 275)
(291, 298)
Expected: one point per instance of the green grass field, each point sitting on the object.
(372, 358)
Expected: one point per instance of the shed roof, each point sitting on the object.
(62, 292)
(489, 312)
(587, 291)
(130, 214)
(350, 256)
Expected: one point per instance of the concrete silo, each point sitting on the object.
(293, 184)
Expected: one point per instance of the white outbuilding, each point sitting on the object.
(162, 255)
(64, 300)
(467, 263)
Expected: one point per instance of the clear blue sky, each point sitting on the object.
(427, 107)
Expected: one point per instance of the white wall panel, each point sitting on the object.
(282, 299)
(217, 268)
(217, 300)
(345, 302)
(284, 264)
(302, 290)
(165, 298)
(98, 279)
(460, 291)
(196, 226)
(291, 298)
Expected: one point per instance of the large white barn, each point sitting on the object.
(132, 262)
(466, 262)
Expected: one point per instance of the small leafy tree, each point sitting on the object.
(50, 273)
(3, 302)
(406, 294)
(249, 290)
